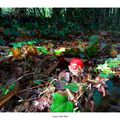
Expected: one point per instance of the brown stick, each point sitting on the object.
(7, 97)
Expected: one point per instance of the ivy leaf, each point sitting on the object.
(61, 104)
(72, 86)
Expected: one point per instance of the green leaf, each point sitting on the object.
(58, 52)
(3, 89)
(104, 75)
(110, 85)
(7, 32)
(17, 45)
(12, 87)
(97, 97)
(105, 69)
(6, 91)
(31, 42)
(93, 40)
(21, 44)
(84, 87)
(72, 86)
(2, 42)
(43, 50)
(37, 82)
(92, 49)
(61, 104)
(113, 63)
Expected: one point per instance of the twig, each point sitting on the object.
(89, 86)
(7, 97)
(21, 77)
(4, 47)
(53, 81)
(31, 88)
(40, 93)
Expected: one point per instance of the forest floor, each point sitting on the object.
(35, 74)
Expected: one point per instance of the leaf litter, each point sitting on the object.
(37, 76)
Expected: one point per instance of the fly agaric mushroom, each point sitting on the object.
(76, 66)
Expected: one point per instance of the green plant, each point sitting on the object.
(93, 40)
(105, 70)
(60, 51)
(5, 90)
(97, 97)
(92, 49)
(72, 86)
(61, 104)
(113, 63)
(2, 42)
(43, 50)
(37, 82)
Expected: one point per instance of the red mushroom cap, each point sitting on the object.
(78, 62)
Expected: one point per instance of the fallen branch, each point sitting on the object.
(21, 77)
(33, 87)
(7, 97)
